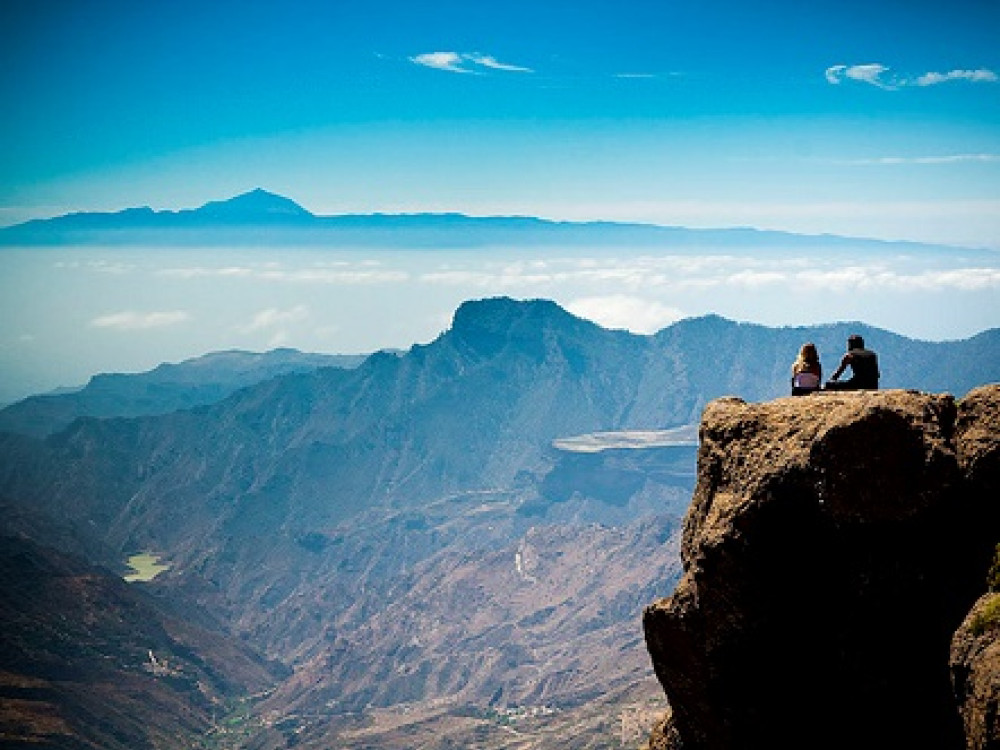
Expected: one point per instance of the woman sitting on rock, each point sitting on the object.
(807, 372)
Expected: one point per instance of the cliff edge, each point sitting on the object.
(834, 545)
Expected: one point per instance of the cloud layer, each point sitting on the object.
(681, 272)
(272, 317)
(370, 272)
(684, 274)
(130, 320)
(947, 159)
(621, 311)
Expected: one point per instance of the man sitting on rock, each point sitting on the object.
(864, 368)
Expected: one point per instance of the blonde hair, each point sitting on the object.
(808, 358)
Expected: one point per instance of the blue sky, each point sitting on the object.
(875, 119)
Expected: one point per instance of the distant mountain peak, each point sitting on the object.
(487, 326)
(254, 204)
(499, 314)
(260, 218)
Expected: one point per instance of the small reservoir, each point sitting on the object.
(145, 567)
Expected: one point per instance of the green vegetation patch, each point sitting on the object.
(986, 618)
(146, 566)
(993, 577)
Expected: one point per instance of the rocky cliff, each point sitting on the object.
(437, 539)
(833, 546)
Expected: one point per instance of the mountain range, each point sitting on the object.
(448, 543)
(258, 218)
(167, 388)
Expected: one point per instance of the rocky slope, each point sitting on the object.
(335, 518)
(169, 387)
(87, 661)
(975, 647)
(833, 546)
(975, 670)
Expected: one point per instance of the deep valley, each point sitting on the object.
(445, 547)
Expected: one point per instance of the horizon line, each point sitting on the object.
(307, 214)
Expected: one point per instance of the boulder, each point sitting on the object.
(833, 546)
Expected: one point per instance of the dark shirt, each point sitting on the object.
(864, 368)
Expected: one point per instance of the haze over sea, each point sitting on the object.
(867, 120)
(73, 312)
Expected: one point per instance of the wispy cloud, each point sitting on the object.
(99, 266)
(871, 73)
(634, 314)
(130, 320)
(930, 160)
(333, 273)
(449, 61)
(272, 317)
(197, 272)
(357, 276)
(874, 278)
(876, 74)
(273, 324)
(976, 76)
(491, 62)
(456, 62)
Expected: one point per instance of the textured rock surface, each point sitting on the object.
(833, 546)
(975, 648)
(975, 665)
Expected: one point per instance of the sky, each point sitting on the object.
(872, 119)
(856, 118)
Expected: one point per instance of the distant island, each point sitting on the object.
(261, 218)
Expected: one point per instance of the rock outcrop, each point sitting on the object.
(975, 648)
(833, 546)
(975, 665)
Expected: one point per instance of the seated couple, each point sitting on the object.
(807, 373)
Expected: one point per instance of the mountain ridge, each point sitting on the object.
(167, 387)
(474, 323)
(259, 218)
(310, 512)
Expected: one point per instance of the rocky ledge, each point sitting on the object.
(833, 547)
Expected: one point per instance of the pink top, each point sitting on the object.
(806, 380)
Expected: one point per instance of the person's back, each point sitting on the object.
(864, 366)
(807, 372)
